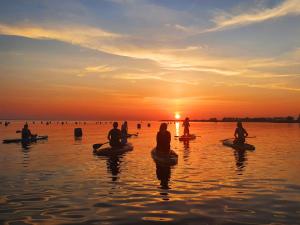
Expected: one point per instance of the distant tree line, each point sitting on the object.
(287, 119)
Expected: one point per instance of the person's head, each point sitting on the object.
(125, 123)
(239, 124)
(25, 126)
(115, 124)
(163, 127)
(187, 119)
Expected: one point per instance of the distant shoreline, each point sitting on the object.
(288, 119)
(220, 121)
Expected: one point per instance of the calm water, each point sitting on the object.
(60, 181)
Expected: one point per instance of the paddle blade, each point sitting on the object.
(96, 146)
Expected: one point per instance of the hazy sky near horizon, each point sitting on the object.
(147, 59)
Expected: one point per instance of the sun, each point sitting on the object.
(177, 116)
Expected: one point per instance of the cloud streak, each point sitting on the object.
(189, 58)
(226, 21)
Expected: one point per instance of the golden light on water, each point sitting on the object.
(177, 128)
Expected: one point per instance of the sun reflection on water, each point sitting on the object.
(177, 128)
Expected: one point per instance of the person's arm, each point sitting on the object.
(169, 137)
(246, 133)
(236, 133)
(108, 136)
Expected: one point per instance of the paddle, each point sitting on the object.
(187, 136)
(235, 138)
(18, 131)
(130, 135)
(96, 146)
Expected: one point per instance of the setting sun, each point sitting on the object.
(177, 116)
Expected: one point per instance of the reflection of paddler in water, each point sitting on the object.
(186, 149)
(163, 174)
(240, 159)
(25, 150)
(113, 166)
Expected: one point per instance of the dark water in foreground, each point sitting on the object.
(60, 181)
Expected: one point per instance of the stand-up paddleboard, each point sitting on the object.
(108, 151)
(165, 159)
(27, 140)
(245, 146)
(187, 137)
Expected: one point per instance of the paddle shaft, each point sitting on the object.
(235, 138)
(96, 146)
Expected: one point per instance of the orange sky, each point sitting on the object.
(148, 59)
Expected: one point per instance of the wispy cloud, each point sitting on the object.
(74, 34)
(226, 20)
(135, 77)
(100, 69)
(220, 71)
(186, 58)
(272, 86)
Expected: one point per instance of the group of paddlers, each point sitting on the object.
(163, 137)
(118, 137)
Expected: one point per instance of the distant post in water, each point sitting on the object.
(139, 126)
(78, 132)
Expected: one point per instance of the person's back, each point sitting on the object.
(163, 139)
(186, 125)
(240, 134)
(26, 134)
(114, 136)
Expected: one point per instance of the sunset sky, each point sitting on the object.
(148, 59)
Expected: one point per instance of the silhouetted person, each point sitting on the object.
(114, 136)
(186, 125)
(163, 139)
(240, 134)
(26, 133)
(124, 133)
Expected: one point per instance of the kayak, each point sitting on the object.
(108, 151)
(245, 146)
(167, 159)
(19, 140)
(187, 138)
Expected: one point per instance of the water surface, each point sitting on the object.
(60, 181)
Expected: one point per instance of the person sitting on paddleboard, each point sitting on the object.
(26, 133)
(240, 133)
(186, 125)
(124, 133)
(163, 139)
(114, 136)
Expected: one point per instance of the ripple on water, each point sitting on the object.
(209, 185)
